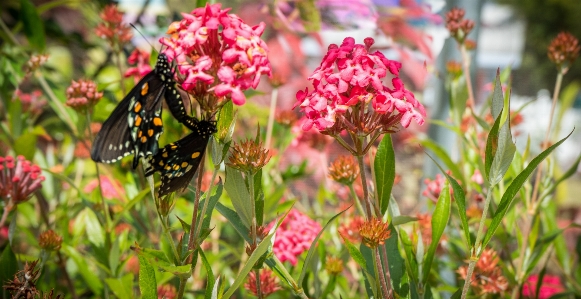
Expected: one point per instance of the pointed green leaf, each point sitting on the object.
(89, 274)
(211, 278)
(33, 25)
(122, 287)
(355, 254)
(147, 282)
(314, 245)
(238, 193)
(513, 188)
(235, 220)
(395, 261)
(440, 219)
(460, 200)
(384, 166)
(93, 228)
(443, 156)
(399, 220)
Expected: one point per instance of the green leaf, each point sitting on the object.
(235, 220)
(513, 188)
(114, 256)
(314, 245)
(26, 145)
(440, 219)
(384, 166)
(95, 232)
(238, 192)
(460, 200)
(33, 25)
(258, 252)
(89, 275)
(355, 254)
(457, 294)
(9, 264)
(179, 271)
(395, 261)
(121, 287)
(147, 282)
(399, 220)
(443, 156)
(210, 280)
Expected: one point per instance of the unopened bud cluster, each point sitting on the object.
(458, 27)
(82, 95)
(563, 50)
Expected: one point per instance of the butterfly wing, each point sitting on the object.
(144, 117)
(178, 161)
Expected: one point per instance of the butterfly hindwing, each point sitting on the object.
(178, 161)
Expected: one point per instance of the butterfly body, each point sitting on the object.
(178, 161)
(134, 126)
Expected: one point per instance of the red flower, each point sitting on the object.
(434, 187)
(550, 286)
(268, 283)
(112, 29)
(19, 178)
(140, 59)
(294, 236)
(217, 52)
(31, 102)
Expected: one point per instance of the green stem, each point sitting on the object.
(205, 206)
(270, 125)
(477, 249)
(357, 200)
(380, 275)
(182, 288)
(258, 289)
(61, 109)
(364, 184)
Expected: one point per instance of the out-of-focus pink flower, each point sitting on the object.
(113, 29)
(487, 277)
(217, 52)
(111, 189)
(477, 177)
(19, 178)
(550, 286)
(82, 95)
(294, 236)
(166, 291)
(140, 59)
(434, 187)
(31, 102)
(309, 137)
(350, 78)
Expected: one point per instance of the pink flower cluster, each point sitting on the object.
(550, 286)
(31, 102)
(210, 43)
(19, 178)
(434, 187)
(140, 59)
(350, 75)
(294, 236)
(82, 94)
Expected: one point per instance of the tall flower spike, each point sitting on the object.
(218, 54)
(563, 50)
(349, 93)
(19, 178)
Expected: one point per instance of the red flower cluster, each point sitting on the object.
(140, 59)
(112, 29)
(210, 43)
(434, 187)
(268, 283)
(294, 236)
(487, 277)
(349, 78)
(31, 102)
(19, 178)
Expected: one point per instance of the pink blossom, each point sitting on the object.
(477, 177)
(140, 59)
(111, 189)
(434, 187)
(550, 286)
(217, 52)
(19, 178)
(32, 102)
(294, 236)
(349, 75)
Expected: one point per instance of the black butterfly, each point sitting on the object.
(135, 125)
(178, 161)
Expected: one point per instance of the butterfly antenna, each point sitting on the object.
(145, 38)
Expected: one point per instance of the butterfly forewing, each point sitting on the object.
(178, 161)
